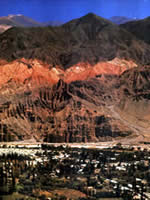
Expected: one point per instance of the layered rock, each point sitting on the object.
(80, 82)
(134, 105)
(56, 105)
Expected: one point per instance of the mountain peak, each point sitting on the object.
(92, 18)
(90, 14)
(89, 19)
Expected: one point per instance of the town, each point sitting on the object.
(62, 172)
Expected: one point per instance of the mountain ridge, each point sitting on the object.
(85, 81)
(121, 19)
(81, 40)
(135, 28)
(20, 20)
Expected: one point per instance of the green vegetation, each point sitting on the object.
(72, 173)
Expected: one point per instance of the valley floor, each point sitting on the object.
(75, 171)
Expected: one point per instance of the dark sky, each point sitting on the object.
(65, 10)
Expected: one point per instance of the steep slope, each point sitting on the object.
(89, 39)
(104, 40)
(36, 103)
(134, 105)
(77, 83)
(139, 28)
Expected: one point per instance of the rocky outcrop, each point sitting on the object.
(54, 105)
(134, 104)
(57, 115)
(80, 82)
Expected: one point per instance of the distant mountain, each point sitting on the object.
(53, 23)
(19, 20)
(121, 20)
(23, 21)
(79, 82)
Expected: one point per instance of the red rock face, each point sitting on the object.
(78, 83)
(83, 103)
(55, 105)
(83, 71)
(36, 72)
(23, 71)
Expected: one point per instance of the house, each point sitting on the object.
(137, 197)
(91, 191)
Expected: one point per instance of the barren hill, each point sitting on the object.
(84, 81)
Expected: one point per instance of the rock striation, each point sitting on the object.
(85, 81)
(55, 105)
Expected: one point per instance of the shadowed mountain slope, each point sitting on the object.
(81, 82)
(135, 97)
(88, 39)
(140, 28)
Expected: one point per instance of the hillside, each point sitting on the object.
(88, 39)
(139, 28)
(84, 81)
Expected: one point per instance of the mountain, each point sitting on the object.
(121, 20)
(23, 21)
(53, 23)
(84, 81)
(134, 105)
(46, 105)
(17, 20)
(139, 28)
(88, 39)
